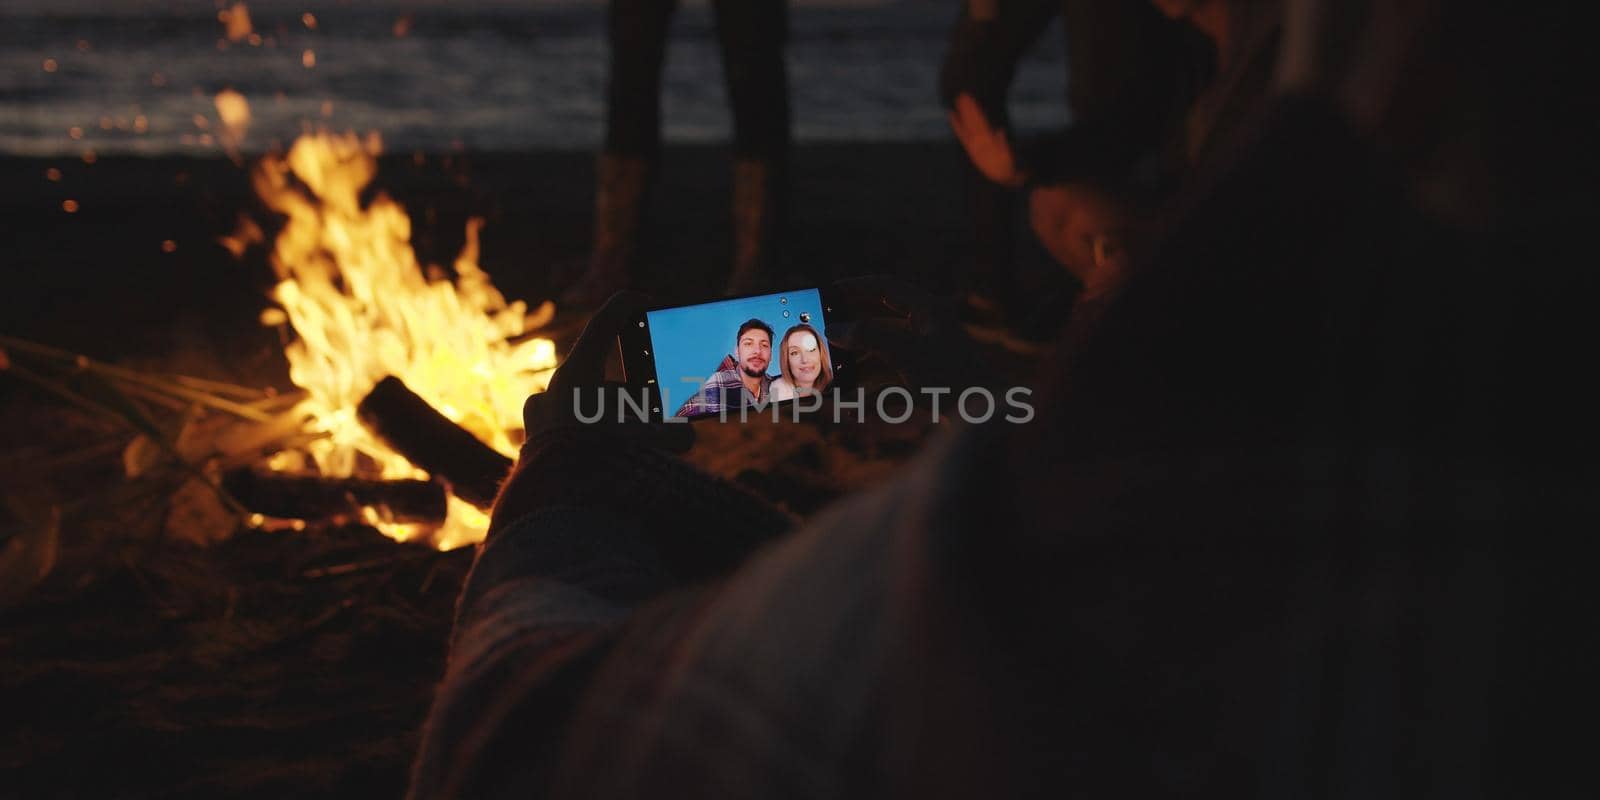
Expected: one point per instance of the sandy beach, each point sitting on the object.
(1296, 507)
(275, 664)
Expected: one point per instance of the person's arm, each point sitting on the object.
(697, 523)
(593, 521)
(986, 43)
(988, 40)
(696, 405)
(711, 397)
(588, 528)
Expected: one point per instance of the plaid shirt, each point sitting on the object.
(715, 395)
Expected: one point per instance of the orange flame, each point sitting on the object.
(351, 287)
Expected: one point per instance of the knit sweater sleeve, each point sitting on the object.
(587, 528)
(700, 525)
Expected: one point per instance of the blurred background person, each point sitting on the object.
(1151, 88)
(1129, 73)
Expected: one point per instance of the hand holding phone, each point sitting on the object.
(579, 384)
(727, 358)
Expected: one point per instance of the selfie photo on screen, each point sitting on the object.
(717, 358)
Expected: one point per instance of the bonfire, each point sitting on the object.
(362, 309)
(410, 379)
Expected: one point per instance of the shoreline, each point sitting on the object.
(74, 278)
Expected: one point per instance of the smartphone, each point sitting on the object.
(715, 358)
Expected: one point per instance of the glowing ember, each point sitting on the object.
(350, 286)
(237, 21)
(234, 111)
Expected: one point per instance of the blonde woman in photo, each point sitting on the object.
(803, 359)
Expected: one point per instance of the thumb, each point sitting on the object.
(586, 362)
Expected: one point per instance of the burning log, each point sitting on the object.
(352, 300)
(417, 431)
(316, 498)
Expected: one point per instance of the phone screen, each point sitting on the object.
(715, 358)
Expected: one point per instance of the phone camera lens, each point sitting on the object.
(805, 316)
(783, 300)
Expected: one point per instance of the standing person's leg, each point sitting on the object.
(637, 30)
(752, 34)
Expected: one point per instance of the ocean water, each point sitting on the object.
(141, 76)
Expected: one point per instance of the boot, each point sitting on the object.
(620, 187)
(758, 188)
